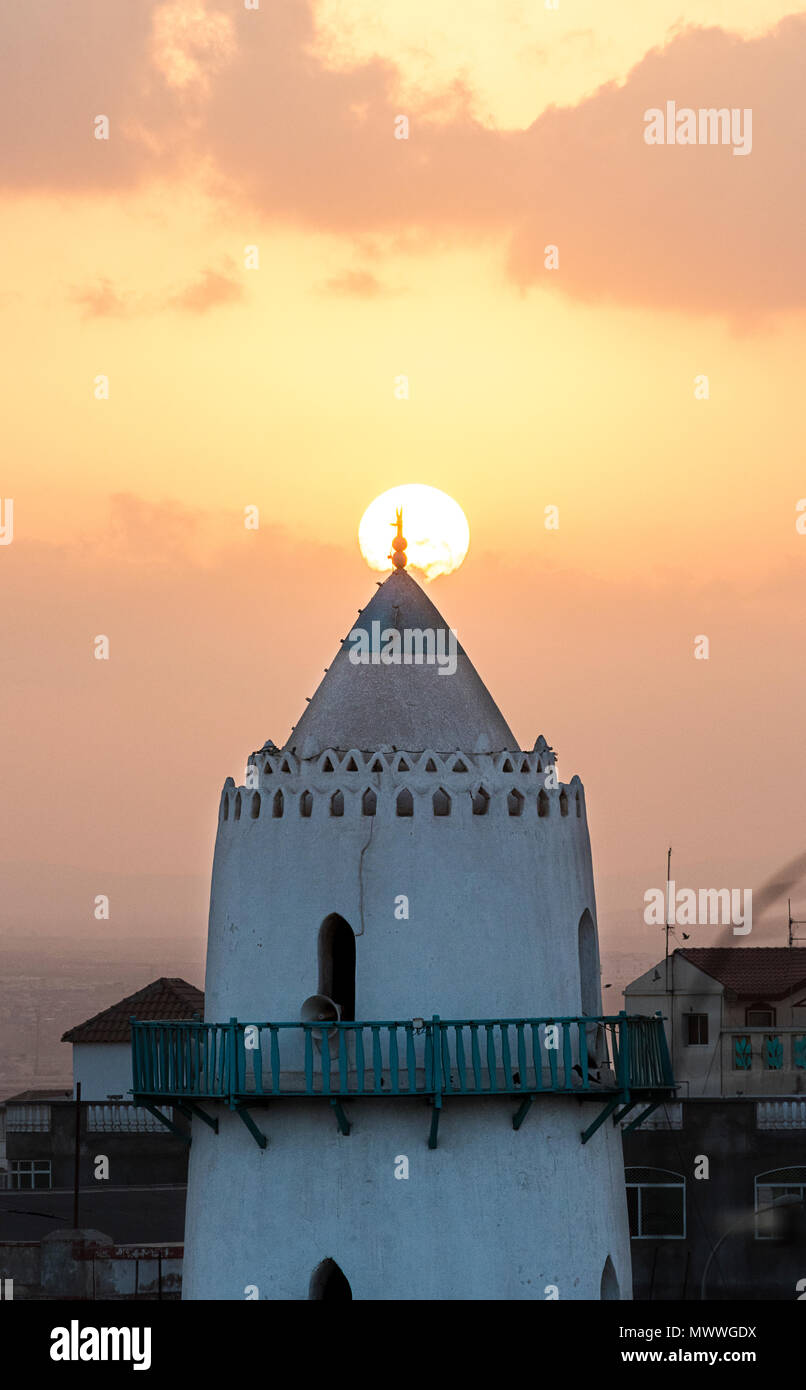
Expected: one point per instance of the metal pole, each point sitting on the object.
(76, 1155)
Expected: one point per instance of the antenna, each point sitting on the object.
(668, 926)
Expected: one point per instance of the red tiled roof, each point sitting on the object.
(164, 998)
(752, 972)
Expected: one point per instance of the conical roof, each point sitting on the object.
(412, 706)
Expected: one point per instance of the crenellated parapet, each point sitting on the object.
(388, 781)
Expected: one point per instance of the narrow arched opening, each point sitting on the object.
(337, 804)
(481, 802)
(590, 992)
(337, 964)
(442, 802)
(254, 809)
(609, 1288)
(306, 804)
(405, 803)
(542, 804)
(369, 803)
(328, 1281)
(237, 815)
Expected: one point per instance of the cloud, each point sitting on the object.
(208, 292)
(358, 284)
(276, 132)
(211, 289)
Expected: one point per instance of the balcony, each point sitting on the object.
(768, 1061)
(619, 1060)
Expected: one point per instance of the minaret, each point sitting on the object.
(419, 891)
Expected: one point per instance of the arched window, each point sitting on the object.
(277, 805)
(563, 804)
(327, 765)
(515, 803)
(237, 815)
(481, 802)
(442, 802)
(254, 809)
(405, 803)
(328, 1281)
(267, 768)
(579, 806)
(542, 804)
(589, 984)
(336, 949)
(656, 1204)
(590, 992)
(337, 804)
(609, 1288)
(781, 1204)
(225, 805)
(369, 803)
(306, 804)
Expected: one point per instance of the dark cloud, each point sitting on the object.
(691, 227)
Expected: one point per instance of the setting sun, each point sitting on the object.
(434, 526)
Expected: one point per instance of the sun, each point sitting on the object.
(434, 525)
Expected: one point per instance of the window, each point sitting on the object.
(336, 949)
(656, 1203)
(369, 802)
(306, 804)
(563, 804)
(29, 1173)
(780, 1195)
(481, 802)
(542, 804)
(337, 804)
(277, 805)
(759, 1016)
(255, 807)
(405, 803)
(696, 1030)
(515, 802)
(442, 802)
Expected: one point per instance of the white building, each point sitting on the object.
(735, 1018)
(402, 856)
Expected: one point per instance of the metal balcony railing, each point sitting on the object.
(620, 1059)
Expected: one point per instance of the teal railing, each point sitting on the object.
(777, 1049)
(234, 1061)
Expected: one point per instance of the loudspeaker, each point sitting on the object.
(318, 1008)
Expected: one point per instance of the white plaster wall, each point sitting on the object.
(104, 1069)
(697, 1069)
(494, 903)
(491, 1214)
(494, 909)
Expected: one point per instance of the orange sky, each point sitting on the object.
(274, 387)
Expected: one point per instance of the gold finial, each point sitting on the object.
(398, 554)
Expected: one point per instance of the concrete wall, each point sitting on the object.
(738, 1151)
(495, 903)
(490, 1214)
(104, 1070)
(133, 1158)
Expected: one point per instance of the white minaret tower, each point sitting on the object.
(401, 858)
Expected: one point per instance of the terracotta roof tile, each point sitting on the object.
(752, 972)
(164, 998)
